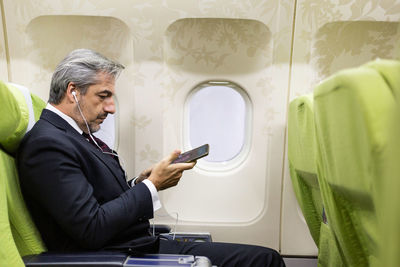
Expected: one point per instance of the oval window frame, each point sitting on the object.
(239, 158)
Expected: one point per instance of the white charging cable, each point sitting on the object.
(175, 225)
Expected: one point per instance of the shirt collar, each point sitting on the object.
(65, 117)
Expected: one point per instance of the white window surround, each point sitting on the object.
(227, 124)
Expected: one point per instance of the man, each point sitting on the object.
(75, 187)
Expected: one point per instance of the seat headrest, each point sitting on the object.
(390, 71)
(19, 111)
(301, 135)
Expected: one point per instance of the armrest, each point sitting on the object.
(113, 259)
(188, 236)
(161, 229)
(76, 259)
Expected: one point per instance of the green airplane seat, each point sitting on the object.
(352, 110)
(303, 172)
(18, 234)
(388, 197)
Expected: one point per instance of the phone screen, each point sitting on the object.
(193, 154)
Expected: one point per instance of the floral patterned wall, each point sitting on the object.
(352, 43)
(218, 46)
(333, 35)
(321, 39)
(147, 22)
(50, 38)
(249, 43)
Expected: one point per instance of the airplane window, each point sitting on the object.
(218, 116)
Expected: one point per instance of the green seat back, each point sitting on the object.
(19, 235)
(388, 197)
(352, 110)
(303, 172)
(388, 206)
(301, 155)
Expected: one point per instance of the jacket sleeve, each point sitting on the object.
(51, 174)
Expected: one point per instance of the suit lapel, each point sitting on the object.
(111, 163)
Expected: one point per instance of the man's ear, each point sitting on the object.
(71, 88)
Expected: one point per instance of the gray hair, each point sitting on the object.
(81, 67)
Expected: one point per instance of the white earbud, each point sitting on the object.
(74, 95)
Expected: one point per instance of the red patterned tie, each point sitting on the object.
(101, 144)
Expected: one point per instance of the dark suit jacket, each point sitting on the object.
(78, 196)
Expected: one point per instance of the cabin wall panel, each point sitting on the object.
(192, 58)
(161, 86)
(3, 57)
(42, 31)
(48, 38)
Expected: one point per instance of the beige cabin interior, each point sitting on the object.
(273, 50)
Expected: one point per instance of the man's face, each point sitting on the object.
(97, 103)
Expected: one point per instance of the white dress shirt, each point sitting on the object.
(153, 191)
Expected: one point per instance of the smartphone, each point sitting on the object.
(193, 154)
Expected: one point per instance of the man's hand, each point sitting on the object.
(144, 175)
(165, 175)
